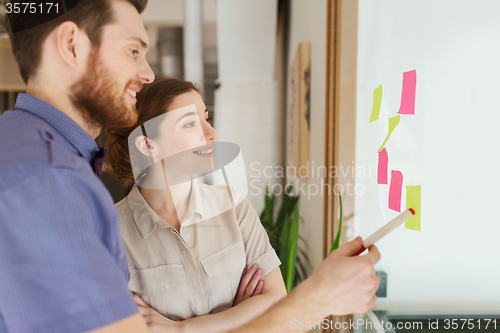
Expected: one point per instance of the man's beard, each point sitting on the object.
(100, 100)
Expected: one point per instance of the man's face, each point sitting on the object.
(105, 94)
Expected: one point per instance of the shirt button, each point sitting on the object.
(49, 135)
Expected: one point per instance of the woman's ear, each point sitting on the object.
(145, 146)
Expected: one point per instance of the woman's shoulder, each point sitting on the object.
(124, 210)
(122, 206)
(127, 214)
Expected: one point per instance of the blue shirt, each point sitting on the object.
(62, 261)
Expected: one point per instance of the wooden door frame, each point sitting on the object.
(341, 64)
(331, 118)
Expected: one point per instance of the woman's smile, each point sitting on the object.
(204, 152)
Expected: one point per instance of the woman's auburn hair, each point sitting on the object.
(152, 101)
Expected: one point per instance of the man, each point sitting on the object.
(62, 263)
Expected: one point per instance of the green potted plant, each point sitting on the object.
(283, 232)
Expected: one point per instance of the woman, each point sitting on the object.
(186, 242)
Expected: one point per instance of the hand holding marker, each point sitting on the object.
(377, 235)
(386, 229)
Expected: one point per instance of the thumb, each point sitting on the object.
(350, 248)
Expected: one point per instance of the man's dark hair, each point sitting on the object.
(28, 31)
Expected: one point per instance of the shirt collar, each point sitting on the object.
(147, 220)
(208, 201)
(75, 135)
(195, 203)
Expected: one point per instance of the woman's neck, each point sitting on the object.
(171, 203)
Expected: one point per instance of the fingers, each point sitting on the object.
(244, 271)
(245, 280)
(347, 284)
(373, 254)
(349, 248)
(253, 283)
(377, 283)
(139, 301)
(143, 307)
(144, 311)
(371, 302)
(259, 288)
(250, 284)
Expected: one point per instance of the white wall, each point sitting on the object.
(245, 103)
(308, 24)
(247, 37)
(450, 148)
(171, 12)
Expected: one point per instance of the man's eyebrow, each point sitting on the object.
(140, 40)
(186, 115)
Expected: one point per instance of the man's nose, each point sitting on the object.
(146, 74)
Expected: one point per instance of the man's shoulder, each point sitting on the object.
(27, 145)
(54, 196)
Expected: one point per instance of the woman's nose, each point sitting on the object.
(210, 134)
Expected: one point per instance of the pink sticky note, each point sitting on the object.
(408, 93)
(383, 160)
(395, 190)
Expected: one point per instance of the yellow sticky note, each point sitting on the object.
(393, 122)
(413, 201)
(377, 100)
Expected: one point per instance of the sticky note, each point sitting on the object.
(393, 122)
(395, 190)
(383, 161)
(377, 100)
(413, 201)
(408, 93)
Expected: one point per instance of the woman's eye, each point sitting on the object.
(191, 124)
(134, 52)
(208, 120)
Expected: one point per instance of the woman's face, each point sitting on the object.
(186, 126)
(186, 137)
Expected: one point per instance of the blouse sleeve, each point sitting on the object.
(257, 246)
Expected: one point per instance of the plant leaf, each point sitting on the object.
(284, 247)
(303, 240)
(303, 255)
(336, 242)
(283, 236)
(300, 268)
(292, 250)
(268, 207)
(299, 274)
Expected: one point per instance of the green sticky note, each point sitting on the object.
(413, 201)
(393, 122)
(377, 100)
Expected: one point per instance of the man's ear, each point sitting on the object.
(145, 146)
(72, 44)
